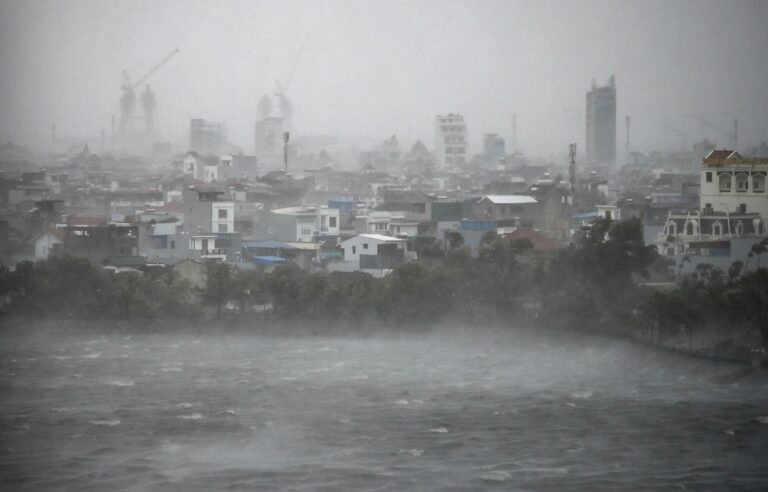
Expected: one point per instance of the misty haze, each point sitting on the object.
(383, 245)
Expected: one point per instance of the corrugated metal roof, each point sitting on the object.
(508, 199)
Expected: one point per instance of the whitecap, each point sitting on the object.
(171, 369)
(582, 395)
(196, 341)
(402, 402)
(495, 476)
(187, 404)
(192, 416)
(439, 430)
(92, 356)
(109, 423)
(121, 383)
(412, 452)
(762, 419)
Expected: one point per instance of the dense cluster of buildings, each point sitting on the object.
(373, 211)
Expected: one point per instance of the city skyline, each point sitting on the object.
(373, 69)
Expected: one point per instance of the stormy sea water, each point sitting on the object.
(441, 411)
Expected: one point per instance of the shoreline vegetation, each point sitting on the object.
(593, 286)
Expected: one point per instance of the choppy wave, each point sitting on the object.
(463, 412)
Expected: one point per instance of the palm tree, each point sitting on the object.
(756, 250)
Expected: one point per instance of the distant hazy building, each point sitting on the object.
(450, 141)
(390, 153)
(601, 123)
(207, 138)
(494, 149)
(268, 139)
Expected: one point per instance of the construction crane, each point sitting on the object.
(285, 105)
(683, 137)
(733, 137)
(128, 98)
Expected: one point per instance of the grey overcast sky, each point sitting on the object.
(374, 68)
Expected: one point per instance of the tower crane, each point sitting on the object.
(683, 137)
(732, 137)
(128, 98)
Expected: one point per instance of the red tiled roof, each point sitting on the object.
(540, 242)
(720, 155)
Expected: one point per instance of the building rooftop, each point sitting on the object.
(508, 199)
(380, 237)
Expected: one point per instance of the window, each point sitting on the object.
(742, 183)
(306, 231)
(222, 227)
(354, 250)
(331, 221)
(173, 244)
(743, 208)
(758, 183)
(222, 213)
(725, 182)
(365, 245)
(717, 229)
(709, 176)
(608, 214)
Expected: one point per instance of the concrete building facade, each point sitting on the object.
(450, 141)
(601, 124)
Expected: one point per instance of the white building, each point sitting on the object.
(373, 253)
(734, 184)
(44, 243)
(450, 141)
(298, 224)
(734, 209)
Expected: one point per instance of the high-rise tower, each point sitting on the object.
(450, 141)
(601, 124)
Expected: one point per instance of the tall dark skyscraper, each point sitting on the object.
(601, 123)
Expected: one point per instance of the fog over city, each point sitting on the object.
(371, 69)
(383, 245)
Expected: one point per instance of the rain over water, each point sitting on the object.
(441, 411)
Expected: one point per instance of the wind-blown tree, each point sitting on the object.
(64, 286)
(597, 277)
(249, 288)
(217, 290)
(131, 295)
(756, 251)
(750, 295)
(453, 240)
(284, 285)
(413, 293)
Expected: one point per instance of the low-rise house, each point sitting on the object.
(373, 253)
(45, 242)
(97, 243)
(297, 224)
(208, 210)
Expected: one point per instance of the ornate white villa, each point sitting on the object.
(734, 204)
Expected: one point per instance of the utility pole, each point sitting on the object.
(286, 137)
(572, 170)
(628, 120)
(514, 132)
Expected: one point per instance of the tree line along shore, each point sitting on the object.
(599, 283)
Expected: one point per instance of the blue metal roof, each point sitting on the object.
(267, 260)
(268, 244)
